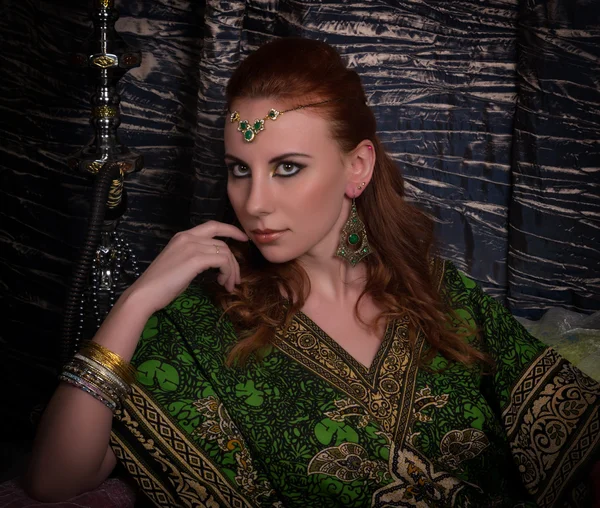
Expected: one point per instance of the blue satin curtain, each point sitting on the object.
(491, 109)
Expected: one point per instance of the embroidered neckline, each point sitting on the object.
(386, 388)
(368, 373)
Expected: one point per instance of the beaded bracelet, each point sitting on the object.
(109, 376)
(90, 386)
(86, 387)
(92, 377)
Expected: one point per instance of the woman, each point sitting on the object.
(340, 363)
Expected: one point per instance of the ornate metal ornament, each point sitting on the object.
(354, 244)
(104, 61)
(250, 130)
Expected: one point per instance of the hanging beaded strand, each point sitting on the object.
(119, 255)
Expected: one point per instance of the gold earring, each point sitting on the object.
(354, 244)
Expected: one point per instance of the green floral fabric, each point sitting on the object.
(309, 426)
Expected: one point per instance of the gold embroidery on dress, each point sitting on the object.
(552, 405)
(192, 473)
(220, 427)
(458, 446)
(416, 482)
(386, 389)
(152, 487)
(378, 396)
(347, 408)
(423, 399)
(348, 462)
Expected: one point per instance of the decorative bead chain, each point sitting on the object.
(119, 255)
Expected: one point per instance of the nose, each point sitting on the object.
(260, 199)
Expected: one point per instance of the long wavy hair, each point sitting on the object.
(296, 72)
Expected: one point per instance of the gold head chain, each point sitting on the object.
(250, 130)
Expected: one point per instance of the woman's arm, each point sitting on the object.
(71, 453)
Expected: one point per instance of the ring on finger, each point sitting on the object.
(216, 247)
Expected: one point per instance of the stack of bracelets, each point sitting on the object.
(101, 373)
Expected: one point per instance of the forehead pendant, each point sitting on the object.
(250, 130)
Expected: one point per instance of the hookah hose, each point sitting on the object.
(70, 342)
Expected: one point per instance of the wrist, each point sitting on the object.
(132, 302)
(123, 327)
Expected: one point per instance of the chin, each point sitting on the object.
(276, 256)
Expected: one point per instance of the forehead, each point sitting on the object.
(292, 131)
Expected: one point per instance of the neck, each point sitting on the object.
(332, 279)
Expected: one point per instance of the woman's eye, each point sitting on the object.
(238, 170)
(288, 169)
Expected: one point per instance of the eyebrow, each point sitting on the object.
(279, 158)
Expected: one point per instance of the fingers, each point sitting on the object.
(214, 253)
(227, 266)
(234, 274)
(223, 259)
(214, 228)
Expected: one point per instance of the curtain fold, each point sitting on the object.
(554, 255)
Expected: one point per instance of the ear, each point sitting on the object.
(359, 168)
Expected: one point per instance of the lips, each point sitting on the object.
(264, 236)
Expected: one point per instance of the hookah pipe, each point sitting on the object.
(75, 297)
(106, 56)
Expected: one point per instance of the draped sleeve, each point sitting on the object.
(174, 436)
(549, 409)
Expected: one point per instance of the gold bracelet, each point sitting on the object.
(109, 360)
(84, 361)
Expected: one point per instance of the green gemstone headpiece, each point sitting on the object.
(250, 130)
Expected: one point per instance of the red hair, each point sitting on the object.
(399, 277)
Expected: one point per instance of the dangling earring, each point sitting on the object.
(354, 245)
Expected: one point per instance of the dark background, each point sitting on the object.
(491, 109)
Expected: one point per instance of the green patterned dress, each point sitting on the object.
(309, 426)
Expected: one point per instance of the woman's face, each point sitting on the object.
(287, 186)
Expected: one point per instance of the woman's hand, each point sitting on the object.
(188, 254)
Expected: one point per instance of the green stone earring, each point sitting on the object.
(354, 245)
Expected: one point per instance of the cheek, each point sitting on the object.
(237, 196)
(317, 203)
(235, 193)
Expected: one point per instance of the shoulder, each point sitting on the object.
(453, 278)
(457, 289)
(502, 334)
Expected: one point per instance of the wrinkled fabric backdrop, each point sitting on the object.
(490, 108)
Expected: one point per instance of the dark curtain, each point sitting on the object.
(491, 109)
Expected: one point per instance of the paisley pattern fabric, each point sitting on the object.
(309, 426)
